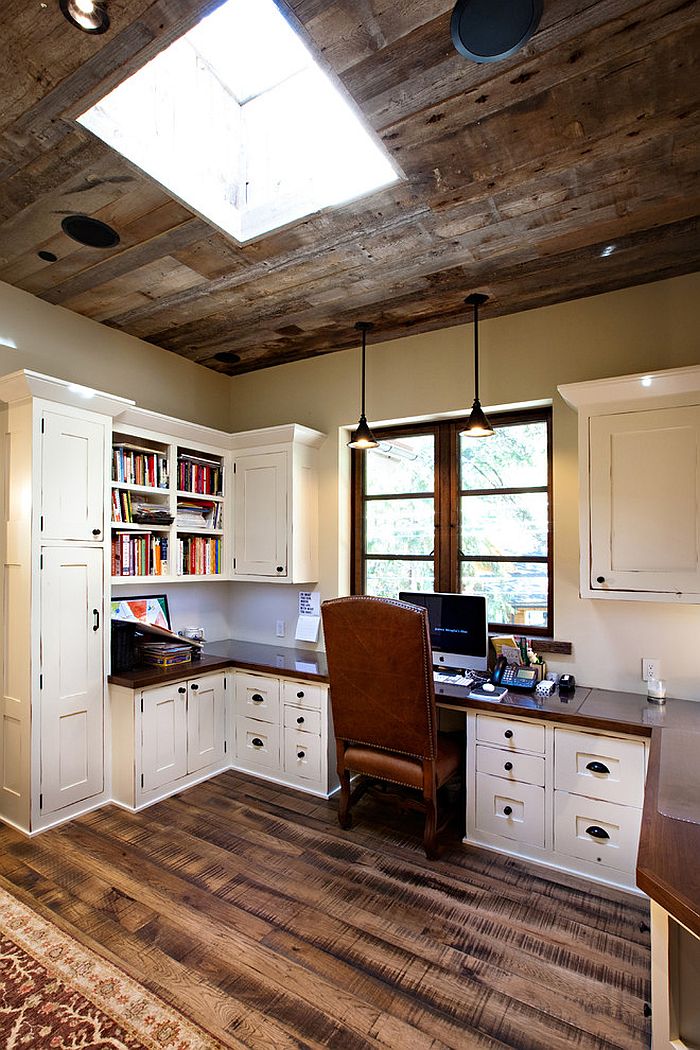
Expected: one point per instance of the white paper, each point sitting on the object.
(309, 603)
(307, 628)
(512, 655)
(301, 665)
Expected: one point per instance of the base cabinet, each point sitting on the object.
(675, 980)
(166, 738)
(568, 798)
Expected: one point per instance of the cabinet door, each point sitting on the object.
(206, 723)
(260, 515)
(163, 735)
(72, 478)
(645, 501)
(72, 697)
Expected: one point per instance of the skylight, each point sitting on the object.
(237, 120)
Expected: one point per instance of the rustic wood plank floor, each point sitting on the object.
(245, 906)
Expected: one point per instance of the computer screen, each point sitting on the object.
(458, 627)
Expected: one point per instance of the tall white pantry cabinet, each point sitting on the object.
(55, 457)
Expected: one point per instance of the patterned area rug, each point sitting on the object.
(56, 993)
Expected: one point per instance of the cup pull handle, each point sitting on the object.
(257, 742)
(597, 833)
(507, 810)
(257, 698)
(598, 767)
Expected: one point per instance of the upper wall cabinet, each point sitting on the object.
(72, 476)
(275, 504)
(639, 464)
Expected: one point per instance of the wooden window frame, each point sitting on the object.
(446, 494)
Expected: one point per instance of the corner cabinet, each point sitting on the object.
(639, 465)
(275, 504)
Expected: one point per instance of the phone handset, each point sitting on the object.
(499, 670)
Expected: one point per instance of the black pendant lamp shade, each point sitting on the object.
(88, 15)
(362, 436)
(478, 425)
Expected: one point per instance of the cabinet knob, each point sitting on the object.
(96, 532)
(300, 694)
(597, 767)
(194, 687)
(600, 579)
(508, 766)
(508, 734)
(507, 810)
(257, 742)
(597, 833)
(257, 698)
(301, 754)
(280, 568)
(182, 689)
(300, 720)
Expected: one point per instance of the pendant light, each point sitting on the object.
(478, 425)
(362, 436)
(88, 15)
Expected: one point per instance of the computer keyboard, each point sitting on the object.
(442, 678)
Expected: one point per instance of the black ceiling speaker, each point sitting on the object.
(227, 357)
(91, 232)
(489, 30)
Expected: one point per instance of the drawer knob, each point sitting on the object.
(600, 579)
(194, 687)
(300, 694)
(597, 833)
(257, 698)
(300, 720)
(507, 810)
(182, 689)
(508, 734)
(96, 532)
(257, 742)
(301, 754)
(280, 568)
(598, 767)
(508, 766)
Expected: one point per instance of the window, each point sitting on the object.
(237, 120)
(434, 510)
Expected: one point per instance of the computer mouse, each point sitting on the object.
(488, 687)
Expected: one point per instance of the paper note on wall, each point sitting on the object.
(309, 620)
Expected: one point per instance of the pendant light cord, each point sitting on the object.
(364, 350)
(476, 351)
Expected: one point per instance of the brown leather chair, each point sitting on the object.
(383, 701)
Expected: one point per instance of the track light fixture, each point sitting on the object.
(362, 437)
(478, 425)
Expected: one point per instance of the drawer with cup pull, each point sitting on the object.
(604, 767)
(302, 718)
(302, 694)
(511, 733)
(302, 754)
(257, 743)
(515, 811)
(257, 697)
(511, 765)
(599, 832)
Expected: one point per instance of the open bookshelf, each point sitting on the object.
(167, 509)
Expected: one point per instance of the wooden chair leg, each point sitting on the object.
(430, 801)
(344, 816)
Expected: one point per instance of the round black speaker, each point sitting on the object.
(489, 30)
(227, 357)
(91, 232)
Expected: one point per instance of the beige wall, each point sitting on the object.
(524, 358)
(61, 343)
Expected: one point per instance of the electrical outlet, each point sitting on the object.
(651, 668)
(280, 629)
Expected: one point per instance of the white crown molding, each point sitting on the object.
(640, 387)
(18, 386)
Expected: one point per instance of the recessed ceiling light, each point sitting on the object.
(47, 256)
(607, 250)
(91, 232)
(88, 15)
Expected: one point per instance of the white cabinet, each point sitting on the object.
(639, 464)
(72, 676)
(275, 504)
(566, 797)
(72, 477)
(168, 737)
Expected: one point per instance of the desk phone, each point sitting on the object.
(514, 677)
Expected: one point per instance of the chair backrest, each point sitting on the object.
(380, 666)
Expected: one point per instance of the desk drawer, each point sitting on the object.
(257, 697)
(301, 694)
(511, 765)
(514, 811)
(302, 719)
(604, 767)
(599, 832)
(510, 733)
(257, 743)
(302, 754)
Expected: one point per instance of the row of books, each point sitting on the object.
(139, 554)
(198, 555)
(199, 476)
(134, 466)
(128, 509)
(199, 514)
(165, 654)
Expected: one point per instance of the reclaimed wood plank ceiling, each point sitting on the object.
(518, 175)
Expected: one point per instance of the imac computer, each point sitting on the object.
(458, 628)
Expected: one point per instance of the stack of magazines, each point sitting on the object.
(165, 654)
